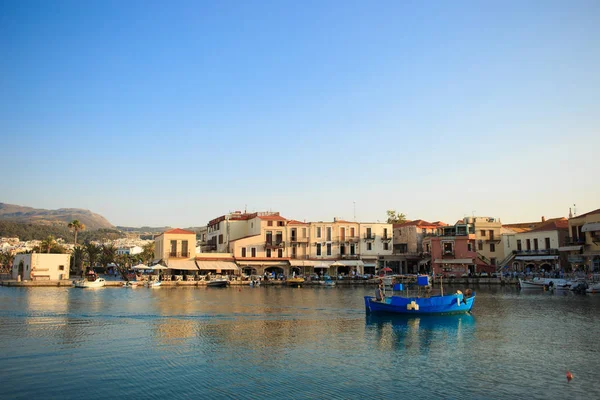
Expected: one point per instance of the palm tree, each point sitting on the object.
(78, 255)
(93, 253)
(76, 226)
(108, 255)
(48, 244)
(148, 253)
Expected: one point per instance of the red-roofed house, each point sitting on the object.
(408, 250)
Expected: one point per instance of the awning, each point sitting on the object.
(304, 263)
(186, 265)
(591, 227)
(350, 263)
(423, 262)
(569, 248)
(217, 265)
(454, 261)
(370, 265)
(264, 263)
(534, 258)
(323, 264)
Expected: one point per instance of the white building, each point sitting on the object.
(41, 267)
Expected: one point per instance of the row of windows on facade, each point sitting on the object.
(319, 250)
(318, 230)
(535, 244)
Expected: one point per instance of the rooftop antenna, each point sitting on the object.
(574, 210)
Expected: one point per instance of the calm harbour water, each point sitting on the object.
(305, 343)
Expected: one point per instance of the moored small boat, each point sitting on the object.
(548, 283)
(327, 283)
(593, 289)
(295, 282)
(457, 303)
(85, 283)
(217, 282)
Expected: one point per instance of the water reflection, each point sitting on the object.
(422, 333)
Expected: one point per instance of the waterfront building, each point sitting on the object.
(454, 248)
(488, 237)
(534, 246)
(176, 249)
(408, 255)
(582, 245)
(41, 267)
(376, 244)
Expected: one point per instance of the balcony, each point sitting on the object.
(447, 253)
(576, 259)
(274, 245)
(300, 257)
(350, 256)
(569, 240)
(368, 237)
(493, 240)
(539, 252)
(386, 238)
(179, 254)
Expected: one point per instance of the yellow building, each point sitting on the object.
(583, 243)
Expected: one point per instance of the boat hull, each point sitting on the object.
(295, 282)
(222, 283)
(541, 283)
(434, 305)
(98, 283)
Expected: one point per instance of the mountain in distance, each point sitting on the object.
(21, 214)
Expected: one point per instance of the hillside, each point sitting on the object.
(29, 215)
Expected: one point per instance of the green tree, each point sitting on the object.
(93, 253)
(108, 254)
(147, 254)
(47, 244)
(395, 217)
(75, 226)
(78, 257)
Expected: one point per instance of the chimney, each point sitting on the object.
(543, 219)
(334, 219)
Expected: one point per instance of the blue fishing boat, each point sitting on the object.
(420, 301)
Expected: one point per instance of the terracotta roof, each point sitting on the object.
(295, 222)
(343, 221)
(420, 223)
(272, 218)
(588, 213)
(179, 231)
(522, 227)
(552, 225)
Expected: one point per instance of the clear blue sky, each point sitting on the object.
(173, 113)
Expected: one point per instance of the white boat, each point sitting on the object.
(594, 288)
(130, 284)
(217, 282)
(549, 283)
(153, 284)
(84, 283)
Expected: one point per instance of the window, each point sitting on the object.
(278, 237)
(269, 237)
(279, 253)
(221, 239)
(483, 232)
(469, 247)
(294, 252)
(184, 248)
(269, 223)
(253, 252)
(293, 234)
(303, 232)
(385, 233)
(491, 235)
(318, 231)
(352, 250)
(244, 252)
(342, 249)
(328, 233)
(369, 246)
(61, 267)
(448, 248)
(280, 223)
(173, 248)
(385, 245)
(492, 247)
(368, 232)
(528, 241)
(519, 247)
(351, 231)
(328, 249)
(423, 231)
(535, 244)
(480, 245)
(342, 234)
(547, 243)
(318, 249)
(493, 261)
(268, 253)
